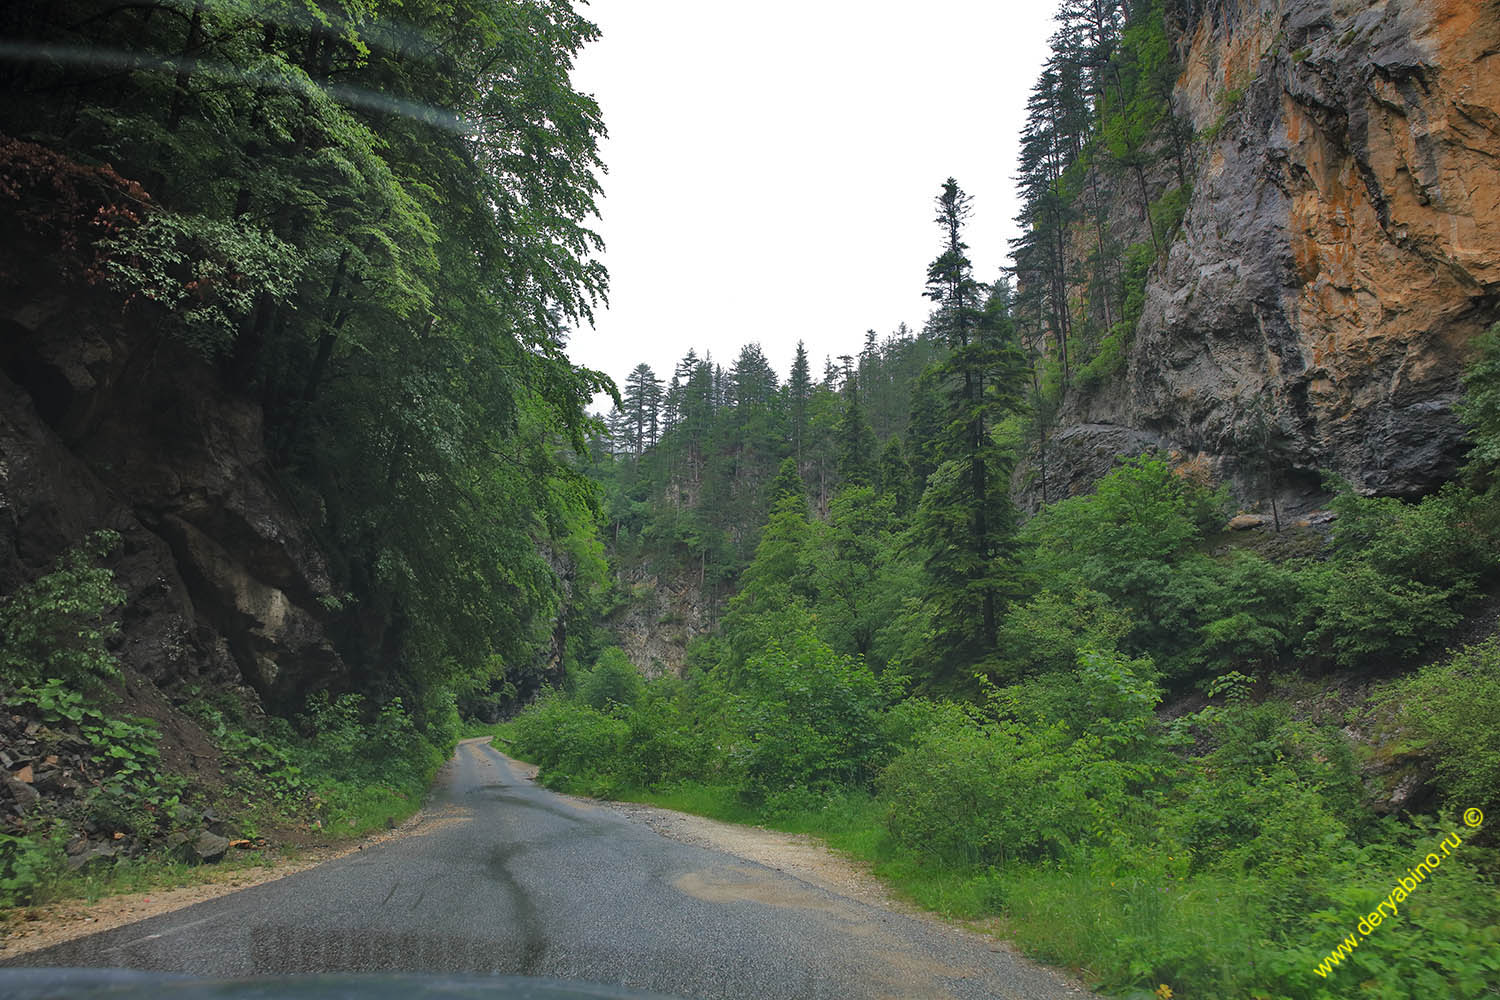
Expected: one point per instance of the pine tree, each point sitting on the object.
(856, 442)
(893, 477)
(788, 483)
(753, 379)
(966, 516)
(799, 393)
(642, 401)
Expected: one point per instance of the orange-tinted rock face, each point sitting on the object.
(1397, 240)
(1342, 249)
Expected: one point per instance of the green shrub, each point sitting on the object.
(810, 717)
(614, 682)
(132, 794)
(1124, 539)
(56, 627)
(661, 745)
(1044, 634)
(1357, 614)
(1167, 212)
(1445, 940)
(570, 741)
(1432, 542)
(1397, 576)
(1452, 710)
(1250, 620)
(28, 866)
(1036, 784)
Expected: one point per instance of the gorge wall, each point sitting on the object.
(1340, 252)
(106, 421)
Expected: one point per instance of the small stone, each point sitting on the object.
(24, 794)
(179, 846)
(25, 774)
(77, 846)
(210, 846)
(1245, 522)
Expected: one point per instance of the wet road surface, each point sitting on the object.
(506, 877)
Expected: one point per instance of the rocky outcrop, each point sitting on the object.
(105, 423)
(1340, 252)
(665, 612)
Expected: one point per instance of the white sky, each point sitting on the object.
(772, 166)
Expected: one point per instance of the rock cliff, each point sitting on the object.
(1340, 251)
(105, 422)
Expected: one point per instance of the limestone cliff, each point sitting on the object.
(1340, 252)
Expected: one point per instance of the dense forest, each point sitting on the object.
(1181, 759)
(363, 237)
(1178, 757)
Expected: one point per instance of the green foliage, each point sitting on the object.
(1398, 576)
(1451, 709)
(55, 626)
(353, 768)
(131, 794)
(966, 520)
(1480, 409)
(1135, 539)
(28, 865)
(851, 564)
(1046, 633)
(572, 742)
(1166, 216)
(810, 717)
(206, 272)
(1360, 615)
(376, 222)
(1140, 518)
(613, 684)
(1111, 353)
(984, 792)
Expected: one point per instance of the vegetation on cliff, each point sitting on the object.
(374, 227)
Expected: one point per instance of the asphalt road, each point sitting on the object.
(506, 877)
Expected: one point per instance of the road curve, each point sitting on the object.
(506, 877)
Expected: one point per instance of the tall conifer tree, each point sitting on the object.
(966, 516)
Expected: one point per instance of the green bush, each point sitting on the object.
(661, 744)
(614, 682)
(28, 865)
(1397, 577)
(1357, 614)
(56, 627)
(1044, 634)
(1432, 542)
(571, 742)
(1135, 540)
(1249, 620)
(810, 717)
(1445, 940)
(1452, 710)
(133, 794)
(1036, 784)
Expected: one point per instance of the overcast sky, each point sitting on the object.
(772, 166)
